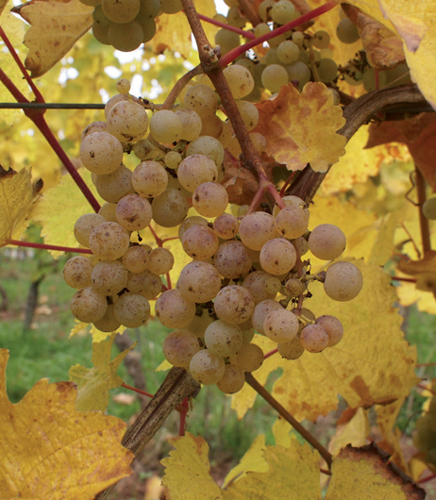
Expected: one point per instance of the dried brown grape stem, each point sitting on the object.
(289, 418)
(179, 86)
(177, 386)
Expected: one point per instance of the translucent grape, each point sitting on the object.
(333, 327)
(314, 338)
(145, 283)
(126, 37)
(261, 29)
(199, 282)
(291, 350)
(278, 256)
(240, 80)
(249, 114)
(265, 9)
(259, 142)
(101, 153)
(88, 305)
(160, 261)
(299, 72)
(274, 77)
(256, 229)
(112, 187)
(223, 338)
(327, 242)
(136, 258)
(283, 12)
(429, 208)
(112, 101)
(84, 226)
(123, 86)
(120, 11)
(226, 226)
(77, 272)
(212, 126)
(148, 26)
(196, 169)
(173, 310)
(294, 287)
(206, 367)
(191, 124)
(108, 323)
(200, 242)
(179, 347)
(321, 39)
(261, 311)
(231, 260)
(172, 160)
(207, 146)
(108, 211)
(195, 220)
(134, 212)
(256, 283)
(127, 121)
(170, 208)
(93, 127)
(292, 222)
(171, 6)
(249, 357)
(132, 310)
(232, 381)
(347, 31)
(109, 277)
(201, 99)
(281, 325)
(109, 241)
(234, 304)
(234, 17)
(210, 199)
(327, 70)
(150, 179)
(288, 52)
(343, 281)
(165, 126)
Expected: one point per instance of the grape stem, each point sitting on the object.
(289, 418)
(270, 353)
(43, 246)
(36, 115)
(239, 31)
(183, 410)
(424, 388)
(407, 280)
(179, 86)
(137, 390)
(423, 221)
(426, 478)
(250, 13)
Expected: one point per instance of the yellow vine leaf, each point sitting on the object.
(60, 207)
(354, 431)
(79, 328)
(49, 450)
(17, 197)
(365, 473)
(301, 128)
(415, 23)
(55, 26)
(373, 363)
(93, 384)
(99, 336)
(187, 474)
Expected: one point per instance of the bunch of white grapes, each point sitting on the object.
(246, 272)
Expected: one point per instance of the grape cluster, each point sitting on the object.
(126, 24)
(425, 437)
(246, 273)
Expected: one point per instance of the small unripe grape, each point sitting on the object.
(123, 86)
(291, 350)
(250, 357)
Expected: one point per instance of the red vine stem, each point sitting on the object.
(235, 53)
(426, 479)
(289, 418)
(246, 34)
(183, 410)
(419, 365)
(155, 236)
(407, 280)
(43, 246)
(426, 389)
(38, 95)
(268, 354)
(38, 119)
(126, 386)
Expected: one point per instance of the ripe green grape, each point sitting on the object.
(299, 72)
(265, 9)
(256, 283)
(179, 347)
(77, 272)
(232, 260)
(292, 222)
(240, 80)
(207, 146)
(196, 169)
(84, 226)
(321, 39)
(173, 310)
(278, 256)
(123, 86)
(150, 179)
(234, 17)
(134, 212)
(249, 114)
(288, 52)
(206, 367)
(283, 12)
(171, 6)
(223, 338)
(165, 126)
(291, 350)
(132, 310)
(101, 153)
(108, 323)
(191, 124)
(249, 357)
(327, 242)
(127, 121)
(112, 187)
(210, 199)
(429, 208)
(191, 221)
(160, 261)
(126, 37)
(109, 241)
(261, 311)
(88, 305)
(274, 77)
(327, 70)
(234, 304)
(314, 338)
(136, 258)
(109, 277)
(199, 282)
(347, 31)
(281, 325)
(201, 99)
(101, 32)
(120, 11)
(232, 381)
(343, 281)
(199, 242)
(170, 208)
(148, 26)
(172, 160)
(256, 229)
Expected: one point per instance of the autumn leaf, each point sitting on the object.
(55, 26)
(366, 473)
(49, 450)
(94, 383)
(60, 207)
(353, 429)
(373, 363)
(417, 134)
(301, 128)
(17, 197)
